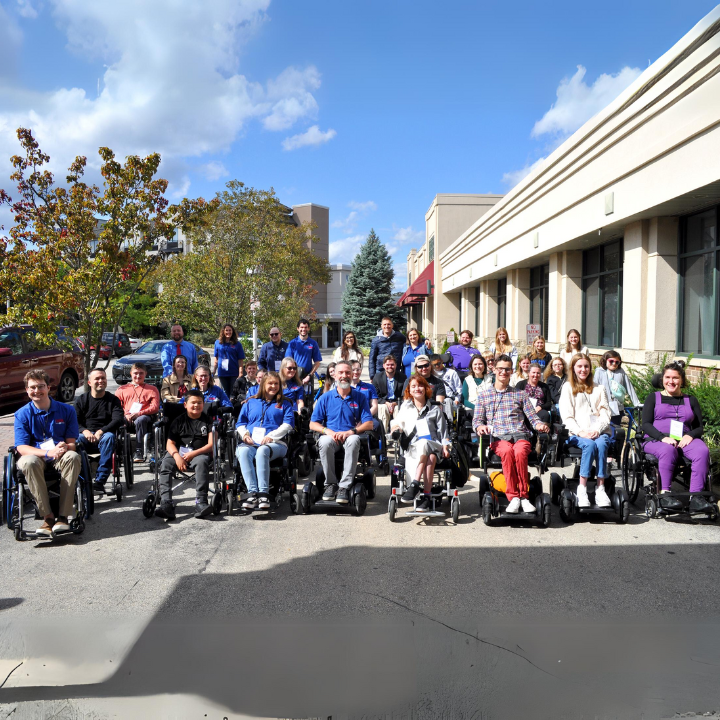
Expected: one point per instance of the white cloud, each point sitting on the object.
(172, 83)
(408, 235)
(343, 251)
(214, 170)
(26, 9)
(577, 102)
(312, 136)
(10, 41)
(360, 209)
(363, 207)
(512, 178)
(400, 282)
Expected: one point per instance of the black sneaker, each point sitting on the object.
(99, 486)
(343, 496)
(202, 509)
(165, 510)
(138, 456)
(423, 504)
(263, 502)
(670, 503)
(412, 490)
(330, 492)
(698, 503)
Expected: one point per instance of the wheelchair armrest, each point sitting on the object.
(395, 435)
(160, 423)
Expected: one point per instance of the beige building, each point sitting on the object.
(614, 234)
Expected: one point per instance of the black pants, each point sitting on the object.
(200, 464)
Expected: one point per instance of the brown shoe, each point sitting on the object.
(46, 529)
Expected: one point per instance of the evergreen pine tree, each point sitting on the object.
(368, 294)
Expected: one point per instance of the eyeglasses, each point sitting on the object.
(274, 334)
(291, 367)
(503, 370)
(610, 361)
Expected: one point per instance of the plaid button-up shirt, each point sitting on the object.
(505, 411)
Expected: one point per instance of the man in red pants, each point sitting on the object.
(500, 411)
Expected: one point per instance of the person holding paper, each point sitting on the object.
(673, 424)
(203, 381)
(189, 446)
(538, 392)
(340, 416)
(273, 351)
(585, 412)
(140, 403)
(264, 422)
(503, 413)
(426, 436)
(229, 357)
(45, 433)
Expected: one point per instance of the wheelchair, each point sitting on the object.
(221, 467)
(126, 433)
(362, 489)
(494, 502)
(122, 466)
(451, 473)
(466, 436)
(641, 469)
(563, 491)
(16, 496)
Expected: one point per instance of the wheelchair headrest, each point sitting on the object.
(447, 359)
(656, 381)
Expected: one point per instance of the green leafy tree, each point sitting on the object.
(368, 294)
(250, 263)
(77, 254)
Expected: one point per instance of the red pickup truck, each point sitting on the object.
(18, 354)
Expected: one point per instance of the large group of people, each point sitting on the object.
(412, 390)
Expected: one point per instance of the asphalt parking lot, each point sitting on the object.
(278, 615)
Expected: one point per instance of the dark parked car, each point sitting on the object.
(122, 345)
(19, 353)
(149, 354)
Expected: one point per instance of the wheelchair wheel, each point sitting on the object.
(231, 501)
(631, 472)
(651, 507)
(18, 533)
(370, 483)
(487, 508)
(77, 526)
(216, 503)
(358, 502)
(546, 515)
(392, 509)
(88, 495)
(128, 463)
(148, 506)
(455, 510)
(118, 492)
(566, 507)
(556, 487)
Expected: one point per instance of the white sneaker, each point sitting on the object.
(514, 506)
(527, 506)
(582, 496)
(601, 497)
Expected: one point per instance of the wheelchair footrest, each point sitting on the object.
(533, 517)
(426, 513)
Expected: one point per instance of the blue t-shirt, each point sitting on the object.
(261, 413)
(33, 426)
(304, 352)
(341, 414)
(228, 354)
(367, 390)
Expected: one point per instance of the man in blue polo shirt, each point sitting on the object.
(340, 416)
(178, 346)
(45, 432)
(272, 352)
(304, 351)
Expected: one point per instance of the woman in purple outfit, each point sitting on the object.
(674, 426)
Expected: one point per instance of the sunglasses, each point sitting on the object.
(421, 367)
(274, 334)
(612, 362)
(291, 367)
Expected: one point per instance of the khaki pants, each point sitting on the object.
(384, 416)
(33, 467)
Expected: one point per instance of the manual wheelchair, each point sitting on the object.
(641, 469)
(16, 497)
(122, 466)
(494, 502)
(563, 491)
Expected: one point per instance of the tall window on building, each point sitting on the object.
(431, 249)
(698, 270)
(539, 287)
(602, 295)
(501, 302)
(476, 303)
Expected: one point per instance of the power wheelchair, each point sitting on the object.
(641, 469)
(16, 496)
(221, 467)
(563, 491)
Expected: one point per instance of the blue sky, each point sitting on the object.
(370, 108)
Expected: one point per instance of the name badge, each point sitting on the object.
(278, 363)
(423, 429)
(184, 450)
(225, 364)
(676, 430)
(258, 434)
(49, 444)
(412, 367)
(135, 408)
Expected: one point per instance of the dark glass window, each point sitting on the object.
(602, 295)
(477, 310)
(431, 249)
(698, 277)
(539, 288)
(501, 298)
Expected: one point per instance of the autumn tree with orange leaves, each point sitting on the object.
(76, 254)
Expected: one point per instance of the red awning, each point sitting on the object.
(418, 291)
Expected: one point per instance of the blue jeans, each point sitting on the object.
(105, 447)
(252, 456)
(592, 451)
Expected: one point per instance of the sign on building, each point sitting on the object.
(532, 331)
(451, 337)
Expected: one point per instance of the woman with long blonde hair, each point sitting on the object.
(503, 346)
